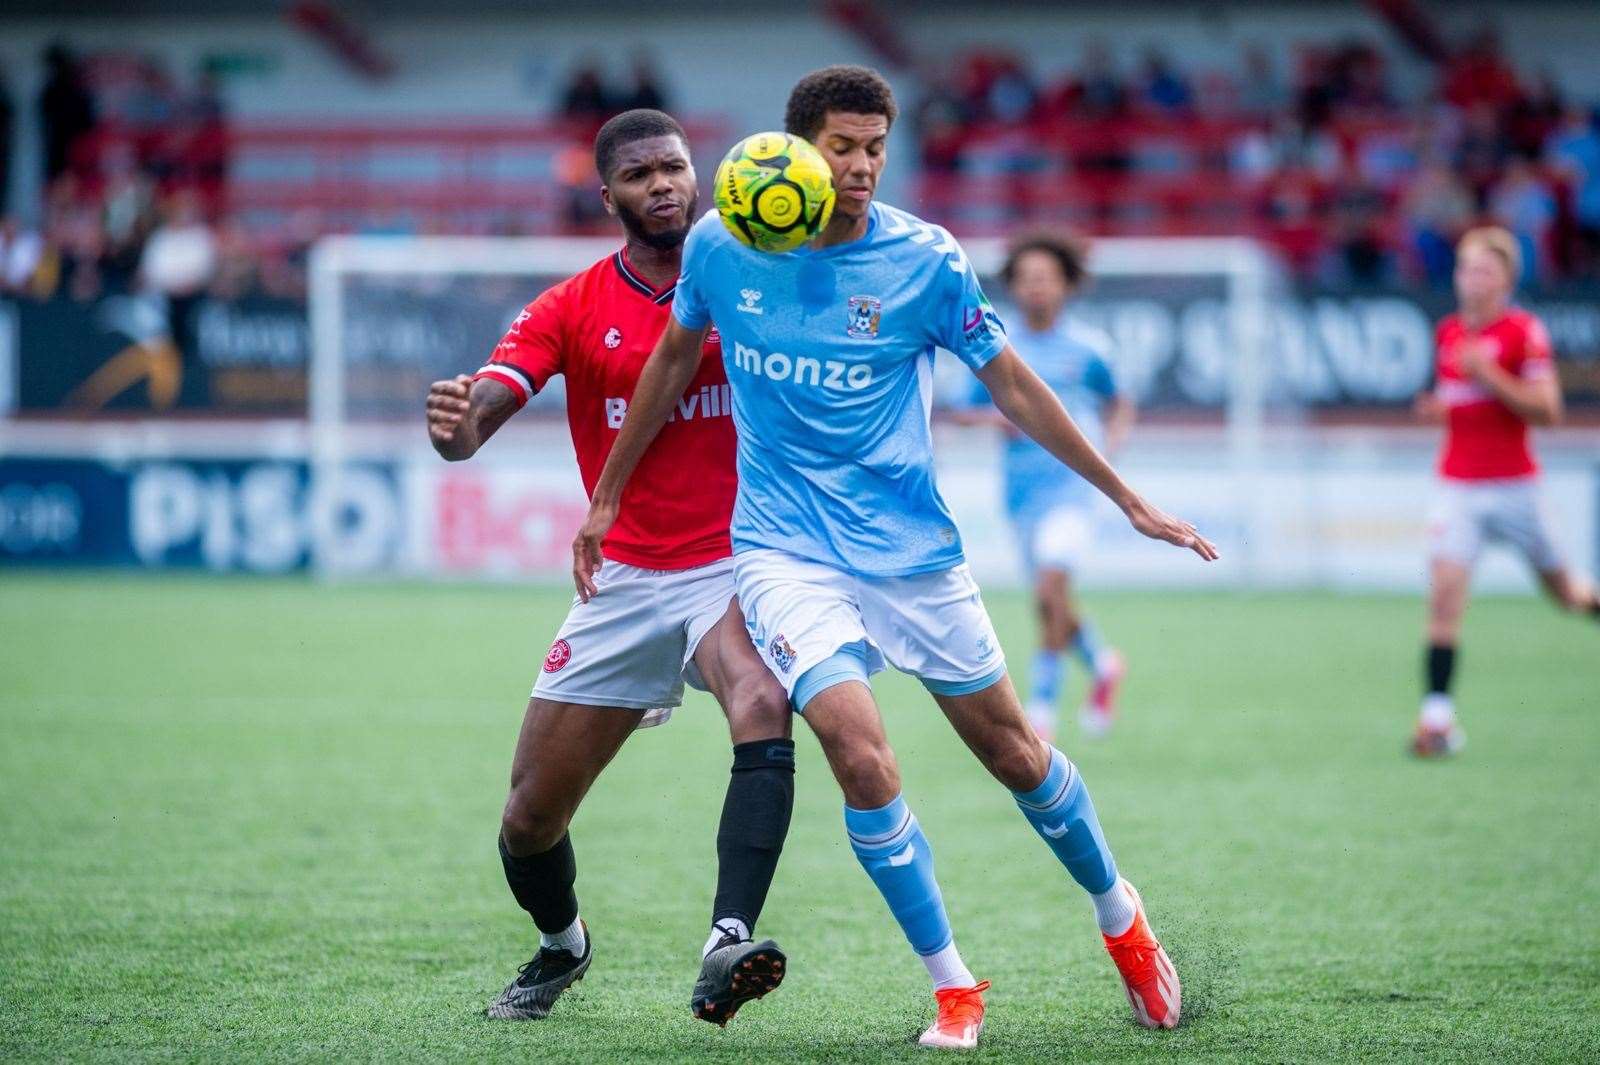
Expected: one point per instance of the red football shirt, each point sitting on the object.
(1485, 439)
(597, 328)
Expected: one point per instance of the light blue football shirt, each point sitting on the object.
(829, 353)
(1074, 360)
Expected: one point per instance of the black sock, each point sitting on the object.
(1441, 666)
(542, 884)
(755, 820)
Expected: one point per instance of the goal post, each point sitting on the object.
(390, 314)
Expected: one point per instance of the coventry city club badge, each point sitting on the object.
(865, 312)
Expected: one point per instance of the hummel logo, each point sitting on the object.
(751, 297)
(904, 857)
(1054, 831)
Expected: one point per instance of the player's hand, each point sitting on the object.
(586, 560)
(1160, 526)
(447, 405)
(1427, 407)
(1475, 357)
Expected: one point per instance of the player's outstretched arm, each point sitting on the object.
(666, 373)
(1034, 409)
(463, 414)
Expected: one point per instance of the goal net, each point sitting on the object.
(1190, 320)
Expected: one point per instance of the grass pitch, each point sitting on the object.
(249, 820)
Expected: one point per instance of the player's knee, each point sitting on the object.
(758, 709)
(530, 829)
(868, 776)
(1017, 759)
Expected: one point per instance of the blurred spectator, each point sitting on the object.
(941, 130)
(1483, 148)
(1261, 92)
(1479, 74)
(180, 258)
(66, 110)
(1437, 209)
(1530, 121)
(1574, 149)
(585, 98)
(646, 90)
(1160, 86)
(21, 252)
(1523, 203)
(1357, 80)
(1360, 252)
(1100, 91)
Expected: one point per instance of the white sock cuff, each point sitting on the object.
(946, 969)
(1114, 910)
(570, 939)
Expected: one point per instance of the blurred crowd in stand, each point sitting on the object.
(1310, 148)
(1324, 158)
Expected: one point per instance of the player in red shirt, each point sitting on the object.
(1495, 379)
(664, 610)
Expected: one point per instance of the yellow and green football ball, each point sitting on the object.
(774, 191)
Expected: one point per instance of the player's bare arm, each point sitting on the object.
(463, 414)
(1030, 405)
(666, 373)
(1536, 401)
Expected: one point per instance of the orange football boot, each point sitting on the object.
(1147, 973)
(960, 1018)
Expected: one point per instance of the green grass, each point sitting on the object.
(255, 820)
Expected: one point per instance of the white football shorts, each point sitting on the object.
(632, 645)
(931, 625)
(1059, 539)
(1468, 514)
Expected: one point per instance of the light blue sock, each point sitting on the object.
(892, 849)
(1086, 642)
(1061, 812)
(1044, 682)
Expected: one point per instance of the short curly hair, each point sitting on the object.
(856, 90)
(1070, 251)
(636, 125)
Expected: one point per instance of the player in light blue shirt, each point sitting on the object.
(845, 556)
(1050, 506)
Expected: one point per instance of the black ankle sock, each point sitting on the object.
(542, 884)
(755, 820)
(1441, 667)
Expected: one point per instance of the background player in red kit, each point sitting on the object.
(1495, 379)
(664, 610)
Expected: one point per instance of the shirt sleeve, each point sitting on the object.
(689, 305)
(530, 352)
(1099, 378)
(968, 326)
(1537, 359)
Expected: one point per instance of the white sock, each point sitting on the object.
(1114, 910)
(946, 969)
(569, 939)
(726, 926)
(1438, 711)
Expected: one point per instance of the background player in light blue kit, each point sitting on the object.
(845, 556)
(1051, 507)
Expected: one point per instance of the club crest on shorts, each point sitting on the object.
(613, 337)
(865, 314)
(560, 654)
(782, 654)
